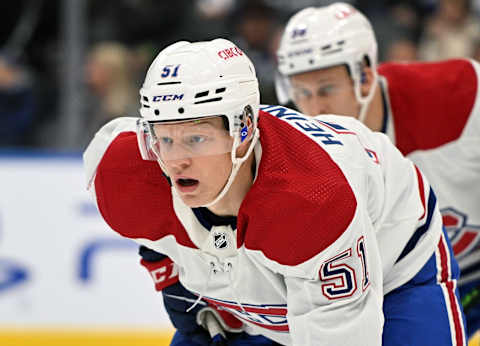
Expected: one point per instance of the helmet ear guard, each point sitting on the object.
(363, 77)
(243, 119)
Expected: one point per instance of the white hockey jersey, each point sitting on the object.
(433, 117)
(335, 219)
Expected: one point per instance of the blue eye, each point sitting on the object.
(166, 140)
(196, 139)
(302, 94)
(326, 90)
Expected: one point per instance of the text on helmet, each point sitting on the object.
(299, 32)
(345, 12)
(170, 97)
(230, 53)
(170, 71)
(300, 52)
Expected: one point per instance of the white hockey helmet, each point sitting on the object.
(190, 81)
(317, 38)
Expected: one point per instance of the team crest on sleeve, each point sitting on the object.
(464, 237)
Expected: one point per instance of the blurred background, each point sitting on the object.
(69, 66)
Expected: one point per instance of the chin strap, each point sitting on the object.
(236, 164)
(365, 101)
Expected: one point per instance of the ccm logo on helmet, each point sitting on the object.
(230, 53)
(171, 97)
(300, 52)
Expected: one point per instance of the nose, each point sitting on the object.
(317, 105)
(178, 165)
(176, 155)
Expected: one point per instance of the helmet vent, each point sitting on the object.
(202, 94)
(209, 100)
(169, 83)
(156, 111)
(332, 51)
(220, 90)
(341, 43)
(145, 106)
(145, 98)
(328, 46)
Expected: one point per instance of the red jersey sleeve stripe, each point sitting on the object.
(421, 190)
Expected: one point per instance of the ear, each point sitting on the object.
(367, 80)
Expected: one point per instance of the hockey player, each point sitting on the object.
(308, 232)
(430, 111)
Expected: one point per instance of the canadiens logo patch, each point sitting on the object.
(220, 240)
(464, 236)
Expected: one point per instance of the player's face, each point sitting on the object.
(196, 156)
(325, 91)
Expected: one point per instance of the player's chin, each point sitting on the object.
(194, 200)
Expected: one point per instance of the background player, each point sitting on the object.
(430, 111)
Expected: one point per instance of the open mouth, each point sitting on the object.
(187, 182)
(186, 185)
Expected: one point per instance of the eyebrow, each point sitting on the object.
(190, 123)
(201, 122)
(197, 124)
(319, 81)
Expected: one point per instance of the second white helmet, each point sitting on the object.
(317, 38)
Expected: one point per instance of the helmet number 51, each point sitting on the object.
(168, 68)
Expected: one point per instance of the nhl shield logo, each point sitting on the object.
(220, 240)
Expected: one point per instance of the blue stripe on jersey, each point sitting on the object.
(335, 126)
(432, 201)
(202, 219)
(149, 254)
(209, 219)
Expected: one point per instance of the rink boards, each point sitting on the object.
(65, 277)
